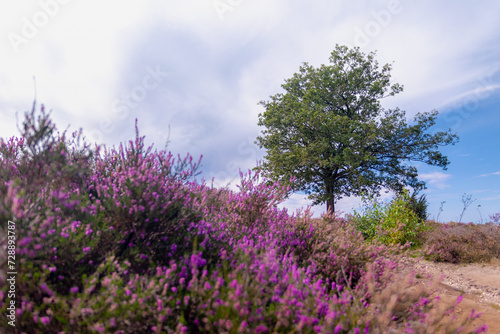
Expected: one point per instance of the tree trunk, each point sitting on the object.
(330, 202)
(330, 205)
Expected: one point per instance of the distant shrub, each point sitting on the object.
(463, 243)
(368, 220)
(394, 223)
(418, 204)
(495, 218)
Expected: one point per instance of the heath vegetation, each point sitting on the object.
(127, 240)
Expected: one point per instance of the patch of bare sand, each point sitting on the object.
(478, 283)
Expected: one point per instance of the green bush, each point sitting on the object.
(369, 219)
(394, 223)
(419, 205)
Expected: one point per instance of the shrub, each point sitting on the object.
(400, 224)
(418, 204)
(395, 223)
(338, 252)
(495, 218)
(463, 243)
(368, 221)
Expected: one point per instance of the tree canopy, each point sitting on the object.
(329, 132)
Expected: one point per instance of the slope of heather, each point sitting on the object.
(127, 240)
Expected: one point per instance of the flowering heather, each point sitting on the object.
(463, 243)
(125, 240)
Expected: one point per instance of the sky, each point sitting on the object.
(193, 72)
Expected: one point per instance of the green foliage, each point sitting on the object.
(418, 204)
(394, 223)
(329, 131)
(369, 219)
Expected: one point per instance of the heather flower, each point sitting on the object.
(106, 282)
(74, 290)
(45, 320)
(482, 329)
(46, 289)
(159, 304)
(261, 329)
(24, 241)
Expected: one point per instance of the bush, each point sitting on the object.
(368, 221)
(392, 224)
(495, 218)
(463, 243)
(418, 205)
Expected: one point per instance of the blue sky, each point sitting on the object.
(199, 68)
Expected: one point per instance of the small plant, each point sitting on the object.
(440, 210)
(368, 219)
(495, 218)
(480, 215)
(467, 201)
(400, 224)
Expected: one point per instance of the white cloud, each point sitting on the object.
(491, 198)
(489, 174)
(436, 179)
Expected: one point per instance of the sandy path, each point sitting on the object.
(479, 284)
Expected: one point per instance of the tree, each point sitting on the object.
(329, 131)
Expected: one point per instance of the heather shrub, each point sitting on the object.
(125, 240)
(338, 252)
(145, 207)
(73, 208)
(463, 243)
(495, 218)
